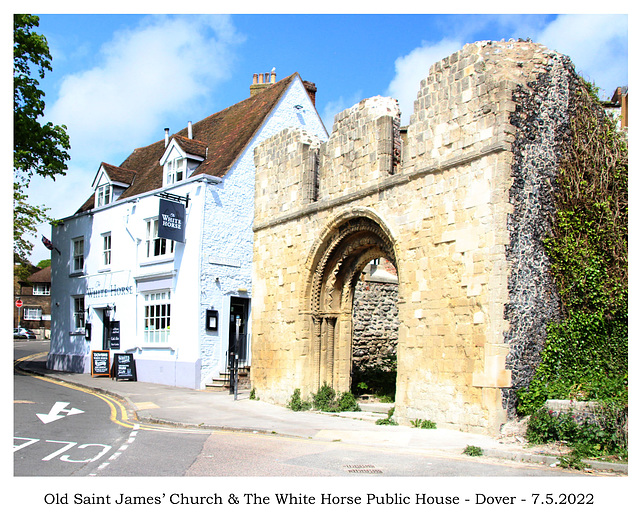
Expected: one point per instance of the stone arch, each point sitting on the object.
(344, 248)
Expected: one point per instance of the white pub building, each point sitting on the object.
(157, 262)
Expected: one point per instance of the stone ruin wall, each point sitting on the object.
(375, 324)
(465, 206)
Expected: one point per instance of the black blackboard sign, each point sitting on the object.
(114, 337)
(99, 363)
(124, 366)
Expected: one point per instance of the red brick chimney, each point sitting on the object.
(311, 90)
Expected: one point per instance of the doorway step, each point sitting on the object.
(222, 382)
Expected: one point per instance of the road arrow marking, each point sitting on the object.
(56, 410)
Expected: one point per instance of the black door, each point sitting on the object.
(106, 329)
(238, 327)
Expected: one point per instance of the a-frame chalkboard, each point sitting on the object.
(124, 366)
(100, 363)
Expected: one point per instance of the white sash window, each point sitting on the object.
(78, 255)
(103, 195)
(176, 170)
(157, 316)
(156, 246)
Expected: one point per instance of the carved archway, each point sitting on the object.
(348, 245)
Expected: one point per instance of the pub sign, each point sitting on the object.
(171, 219)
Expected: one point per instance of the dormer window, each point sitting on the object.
(110, 183)
(176, 170)
(181, 158)
(103, 195)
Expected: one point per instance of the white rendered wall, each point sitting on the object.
(227, 244)
(122, 284)
(213, 265)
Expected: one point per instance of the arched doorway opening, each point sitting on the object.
(375, 332)
(348, 246)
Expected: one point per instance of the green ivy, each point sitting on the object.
(585, 358)
(586, 353)
(602, 435)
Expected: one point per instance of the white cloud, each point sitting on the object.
(596, 44)
(409, 71)
(414, 67)
(140, 78)
(142, 75)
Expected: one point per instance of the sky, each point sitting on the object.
(119, 80)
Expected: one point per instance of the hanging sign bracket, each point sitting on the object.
(175, 198)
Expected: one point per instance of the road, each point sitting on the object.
(61, 430)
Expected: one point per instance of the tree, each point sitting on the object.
(38, 148)
(25, 218)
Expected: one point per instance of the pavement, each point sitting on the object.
(218, 410)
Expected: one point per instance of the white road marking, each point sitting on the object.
(68, 445)
(56, 410)
(118, 453)
(29, 440)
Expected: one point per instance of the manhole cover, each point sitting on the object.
(362, 469)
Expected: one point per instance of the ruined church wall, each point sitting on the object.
(453, 216)
(449, 269)
(375, 322)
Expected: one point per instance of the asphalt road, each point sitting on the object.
(236, 454)
(229, 470)
(60, 430)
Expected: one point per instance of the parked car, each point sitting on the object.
(22, 333)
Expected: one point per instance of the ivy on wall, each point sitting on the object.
(585, 355)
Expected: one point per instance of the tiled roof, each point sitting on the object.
(198, 148)
(118, 174)
(221, 137)
(41, 276)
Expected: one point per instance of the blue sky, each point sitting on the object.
(119, 80)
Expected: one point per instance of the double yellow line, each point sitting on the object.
(118, 414)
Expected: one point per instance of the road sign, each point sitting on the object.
(19, 303)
